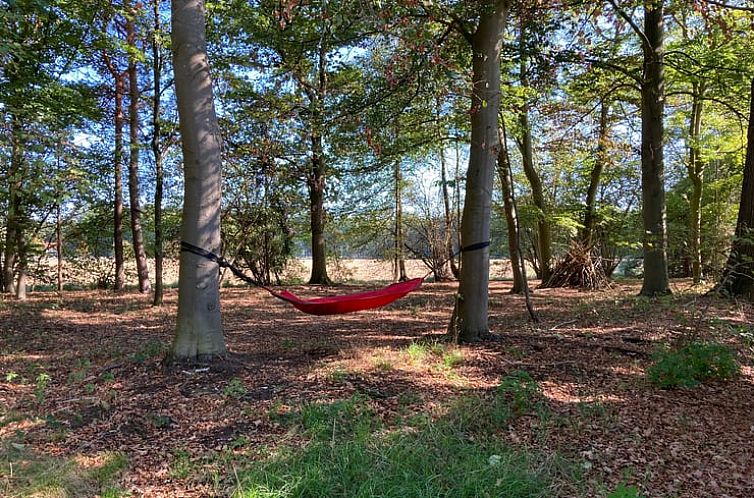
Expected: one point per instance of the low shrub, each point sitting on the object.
(693, 364)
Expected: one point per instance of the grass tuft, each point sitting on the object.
(350, 454)
(693, 364)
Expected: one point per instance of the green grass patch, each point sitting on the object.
(25, 473)
(693, 364)
(351, 453)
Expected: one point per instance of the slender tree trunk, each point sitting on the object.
(446, 204)
(400, 259)
(511, 217)
(120, 90)
(738, 277)
(23, 256)
(470, 320)
(317, 174)
(587, 233)
(544, 235)
(59, 245)
(696, 175)
(137, 233)
(157, 152)
(199, 332)
(655, 239)
(317, 213)
(13, 222)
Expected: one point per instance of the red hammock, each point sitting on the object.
(335, 305)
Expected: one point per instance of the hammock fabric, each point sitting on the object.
(336, 305)
(332, 305)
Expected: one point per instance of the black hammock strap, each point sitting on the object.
(224, 263)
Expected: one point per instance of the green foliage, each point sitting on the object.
(235, 389)
(623, 491)
(40, 386)
(26, 473)
(692, 364)
(349, 457)
(148, 351)
(522, 390)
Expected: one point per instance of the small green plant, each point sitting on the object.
(452, 358)
(181, 466)
(339, 375)
(693, 364)
(40, 387)
(417, 352)
(382, 363)
(287, 344)
(623, 491)
(148, 351)
(235, 388)
(522, 389)
(11, 377)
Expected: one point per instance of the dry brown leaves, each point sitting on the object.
(108, 390)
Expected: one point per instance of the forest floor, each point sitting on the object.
(87, 409)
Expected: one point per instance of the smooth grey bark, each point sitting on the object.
(590, 204)
(137, 232)
(157, 152)
(696, 175)
(655, 240)
(199, 332)
(738, 277)
(511, 216)
(470, 317)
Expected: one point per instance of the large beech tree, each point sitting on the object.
(652, 83)
(199, 332)
(470, 320)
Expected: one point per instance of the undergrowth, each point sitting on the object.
(352, 453)
(26, 473)
(693, 364)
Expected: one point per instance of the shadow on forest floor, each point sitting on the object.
(82, 385)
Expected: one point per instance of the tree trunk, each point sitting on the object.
(470, 321)
(399, 273)
(655, 241)
(133, 164)
(696, 175)
(316, 182)
(318, 168)
(544, 238)
(587, 233)
(738, 277)
(120, 274)
(511, 217)
(13, 221)
(23, 256)
(59, 246)
(446, 204)
(157, 152)
(199, 332)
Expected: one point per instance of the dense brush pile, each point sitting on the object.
(581, 268)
